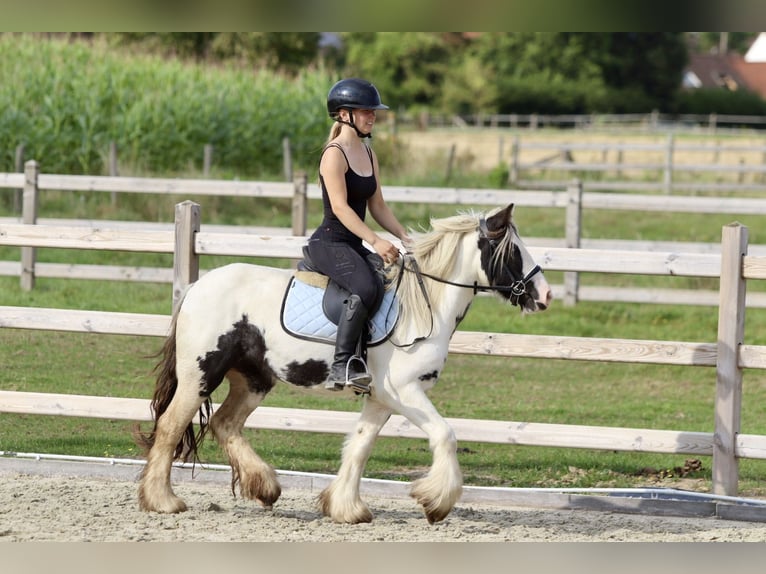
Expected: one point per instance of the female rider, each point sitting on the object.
(348, 176)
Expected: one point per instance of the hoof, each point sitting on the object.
(355, 512)
(169, 505)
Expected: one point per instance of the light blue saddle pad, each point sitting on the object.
(302, 314)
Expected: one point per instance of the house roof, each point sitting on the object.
(730, 71)
(752, 73)
(757, 52)
(715, 71)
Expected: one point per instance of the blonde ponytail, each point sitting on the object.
(334, 132)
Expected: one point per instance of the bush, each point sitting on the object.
(714, 100)
(543, 95)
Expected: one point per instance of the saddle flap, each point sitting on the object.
(332, 301)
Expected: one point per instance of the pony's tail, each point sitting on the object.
(164, 391)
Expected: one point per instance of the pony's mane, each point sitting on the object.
(434, 252)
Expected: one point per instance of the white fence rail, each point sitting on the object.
(574, 200)
(727, 354)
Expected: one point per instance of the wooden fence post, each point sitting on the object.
(287, 159)
(619, 163)
(731, 328)
(300, 203)
(668, 180)
(513, 169)
(18, 193)
(29, 216)
(185, 257)
(450, 163)
(573, 232)
(207, 159)
(113, 168)
(654, 119)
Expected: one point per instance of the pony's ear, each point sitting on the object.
(501, 220)
(509, 213)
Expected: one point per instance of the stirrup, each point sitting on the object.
(360, 383)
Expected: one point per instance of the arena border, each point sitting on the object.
(661, 502)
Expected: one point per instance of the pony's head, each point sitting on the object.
(510, 269)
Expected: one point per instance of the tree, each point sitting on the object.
(578, 71)
(650, 62)
(287, 51)
(408, 68)
(738, 42)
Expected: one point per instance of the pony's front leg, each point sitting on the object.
(441, 488)
(340, 500)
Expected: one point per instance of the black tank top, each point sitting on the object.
(358, 189)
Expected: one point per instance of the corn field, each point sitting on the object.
(66, 102)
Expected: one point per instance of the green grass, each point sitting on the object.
(479, 387)
(519, 389)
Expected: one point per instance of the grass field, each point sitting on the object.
(532, 390)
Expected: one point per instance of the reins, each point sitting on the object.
(419, 276)
(516, 289)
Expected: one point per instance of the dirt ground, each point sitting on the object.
(56, 504)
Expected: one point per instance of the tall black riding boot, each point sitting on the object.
(348, 368)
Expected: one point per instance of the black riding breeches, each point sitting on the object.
(349, 268)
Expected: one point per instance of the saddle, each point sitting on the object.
(312, 305)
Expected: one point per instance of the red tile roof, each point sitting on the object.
(730, 71)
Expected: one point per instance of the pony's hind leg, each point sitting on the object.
(340, 500)
(154, 491)
(257, 479)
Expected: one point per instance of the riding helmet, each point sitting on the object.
(353, 93)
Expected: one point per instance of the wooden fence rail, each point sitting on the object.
(574, 200)
(728, 354)
(644, 121)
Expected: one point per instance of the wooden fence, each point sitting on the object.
(573, 200)
(655, 166)
(652, 121)
(728, 355)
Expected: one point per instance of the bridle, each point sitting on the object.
(516, 289)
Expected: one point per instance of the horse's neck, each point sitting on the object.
(455, 305)
(455, 300)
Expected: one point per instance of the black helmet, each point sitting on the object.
(353, 93)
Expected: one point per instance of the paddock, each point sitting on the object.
(728, 355)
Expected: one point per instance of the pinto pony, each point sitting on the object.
(228, 326)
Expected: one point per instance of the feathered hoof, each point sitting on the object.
(354, 512)
(261, 486)
(436, 508)
(168, 504)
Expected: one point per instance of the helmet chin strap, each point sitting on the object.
(351, 123)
